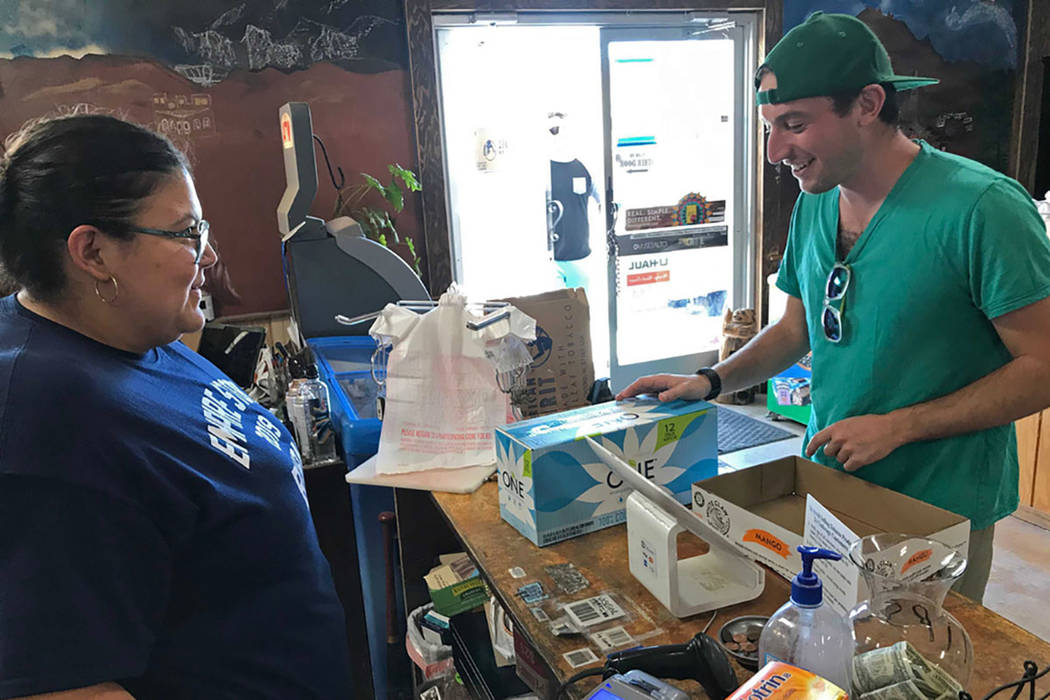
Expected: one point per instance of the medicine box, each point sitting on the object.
(455, 585)
(779, 681)
(553, 487)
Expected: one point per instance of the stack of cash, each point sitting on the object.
(900, 672)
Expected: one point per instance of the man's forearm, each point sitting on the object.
(1017, 389)
(772, 351)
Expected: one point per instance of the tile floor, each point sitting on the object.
(1019, 585)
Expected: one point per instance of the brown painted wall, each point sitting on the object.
(234, 142)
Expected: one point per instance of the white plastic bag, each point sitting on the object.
(442, 397)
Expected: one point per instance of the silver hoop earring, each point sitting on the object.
(116, 290)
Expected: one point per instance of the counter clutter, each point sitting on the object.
(559, 493)
(509, 563)
(575, 607)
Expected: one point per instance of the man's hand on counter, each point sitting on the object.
(669, 387)
(858, 441)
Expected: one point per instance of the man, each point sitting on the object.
(919, 279)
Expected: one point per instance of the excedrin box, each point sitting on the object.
(552, 486)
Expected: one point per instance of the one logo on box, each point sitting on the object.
(541, 347)
(718, 517)
(698, 499)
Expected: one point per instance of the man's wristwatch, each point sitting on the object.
(716, 382)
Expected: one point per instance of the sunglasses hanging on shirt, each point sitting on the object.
(835, 291)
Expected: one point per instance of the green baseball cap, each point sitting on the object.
(830, 54)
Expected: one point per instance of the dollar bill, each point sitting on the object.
(906, 690)
(880, 668)
(942, 679)
(934, 680)
(901, 665)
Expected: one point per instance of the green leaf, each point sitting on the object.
(371, 221)
(406, 176)
(388, 224)
(366, 226)
(373, 183)
(378, 220)
(415, 258)
(395, 197)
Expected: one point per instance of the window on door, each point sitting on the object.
(611, 153)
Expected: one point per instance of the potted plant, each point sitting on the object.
(378, 221)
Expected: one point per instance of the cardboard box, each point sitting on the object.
(768, 510)
(552, 486)
(780, 681)
(455, 585)
(562, 372)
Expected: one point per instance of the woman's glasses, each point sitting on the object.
(835, 290)
(198, 233)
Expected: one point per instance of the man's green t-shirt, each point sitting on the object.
(954, 245)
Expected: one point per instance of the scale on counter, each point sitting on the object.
(723, 576)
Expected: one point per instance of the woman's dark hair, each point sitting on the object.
(63, 172)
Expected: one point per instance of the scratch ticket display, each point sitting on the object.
(594, 611)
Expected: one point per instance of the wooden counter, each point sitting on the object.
(1000, 647)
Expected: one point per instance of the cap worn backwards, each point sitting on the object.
(829, 54)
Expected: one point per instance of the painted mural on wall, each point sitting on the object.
(212, 75)
(972, 46)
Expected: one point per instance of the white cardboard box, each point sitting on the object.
(768, 510)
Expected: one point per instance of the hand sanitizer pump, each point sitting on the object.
(806, 633)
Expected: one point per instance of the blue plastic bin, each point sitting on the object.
(344, 364)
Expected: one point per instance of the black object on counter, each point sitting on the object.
(600, 392)
(701, 659)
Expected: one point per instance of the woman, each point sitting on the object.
(154, 533)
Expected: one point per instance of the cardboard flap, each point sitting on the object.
(872, 508)
(777, 491)
(562, 373)
(755, 485)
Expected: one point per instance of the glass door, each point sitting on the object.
(494, 126)
(678, 195)
(523, 143)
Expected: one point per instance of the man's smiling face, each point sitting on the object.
(821, 148)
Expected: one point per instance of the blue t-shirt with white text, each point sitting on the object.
(154, 529)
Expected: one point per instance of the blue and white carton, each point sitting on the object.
(553, 487)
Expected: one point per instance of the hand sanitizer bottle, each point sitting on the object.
(808, 634)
